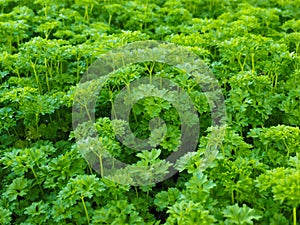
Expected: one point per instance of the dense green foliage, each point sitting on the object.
(253, 49)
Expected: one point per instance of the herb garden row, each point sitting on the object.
(251, 47)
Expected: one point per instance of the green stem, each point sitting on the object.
(276, 78)
(101, 166)
(288, 150)
(113, 109)
(111, 99)
(46, 11)
(90, 169)
(59, 117)
(294, 216)
(135, 118)
(86, 13)
(150, 70)
(50, 70)
(242, 65)
(86, 109)
(223, 150)
(160, 82)
(46, 74)
(33, 66)
(18, 73)
(128, 87)
(37, 122)
(36, 177)
(85, 210)
(252, 62)
(10, 44)
(78, 70)
(110, 18)
(92, 7)
(100, 162)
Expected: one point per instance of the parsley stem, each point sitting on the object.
(101, 165)
(36, 177)
(294, 216)
(85, 210)
(252, 62)
(33, 66)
